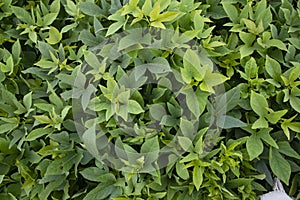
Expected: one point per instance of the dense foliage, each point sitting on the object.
(237, 128)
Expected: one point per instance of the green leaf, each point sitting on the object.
(150, 145)
(273, 68)
(102, 191)
(286, 149)
(147, 7)
(261, 122)
(8, 127)
(27, 100)
(88, 38)
(167, 16)
(192, 66)
(228, 121)
(251, 26)
(192, 101)
(90, 8)
(247, 38)
(157, 111)
(39, 132)
(9, 67)
(16, 51)
(274, 117)
(198, 177)
(155, 11)
(246, 50)
(93, 174)
(185, 143)
(266, 137)
(231, 12)
(54, 36)
(134, 107)
(46, 64)
(280, 166)
(251, 69)
(295, 103)
(259, 104)
(114, 28)
(89, 140)
(276, 43)
(254, 146)
(211, 80)
(187, 128)
(22, 15)
(182, 171)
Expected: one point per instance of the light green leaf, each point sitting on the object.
(246, 50)
(251, 69)
(27, 100)
(280, 166)
(147, 7)
(182, 171)
(273, 68)
(114, 28)
(266, 137)
(231, 12)
(22, 15)
(185, 143)
(228, 121)
(286, 149)
(158, 24)
(155, 12)
(102, 191)
(295, 103)
(247, 38)
(150, 145)
(187, 128)
(259, 104)
(89, 140)
(134, 107)
(261, 122)
(92, 173)
(157, 111)
(276, 43)
(7, 127)
(254, 146)
(167, 16)
(54, 36)
(46, 64)
(39, 132)
(274, 117)
(198, 176)
(90, 8)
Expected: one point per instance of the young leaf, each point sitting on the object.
(254, 146)
(273, 68)
(182, 171)
(259, 104)
(134, 107)
(27, 100)
(54, 36)
(198, 176)
(37, 133)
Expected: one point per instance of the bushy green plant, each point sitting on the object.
(241, 129)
